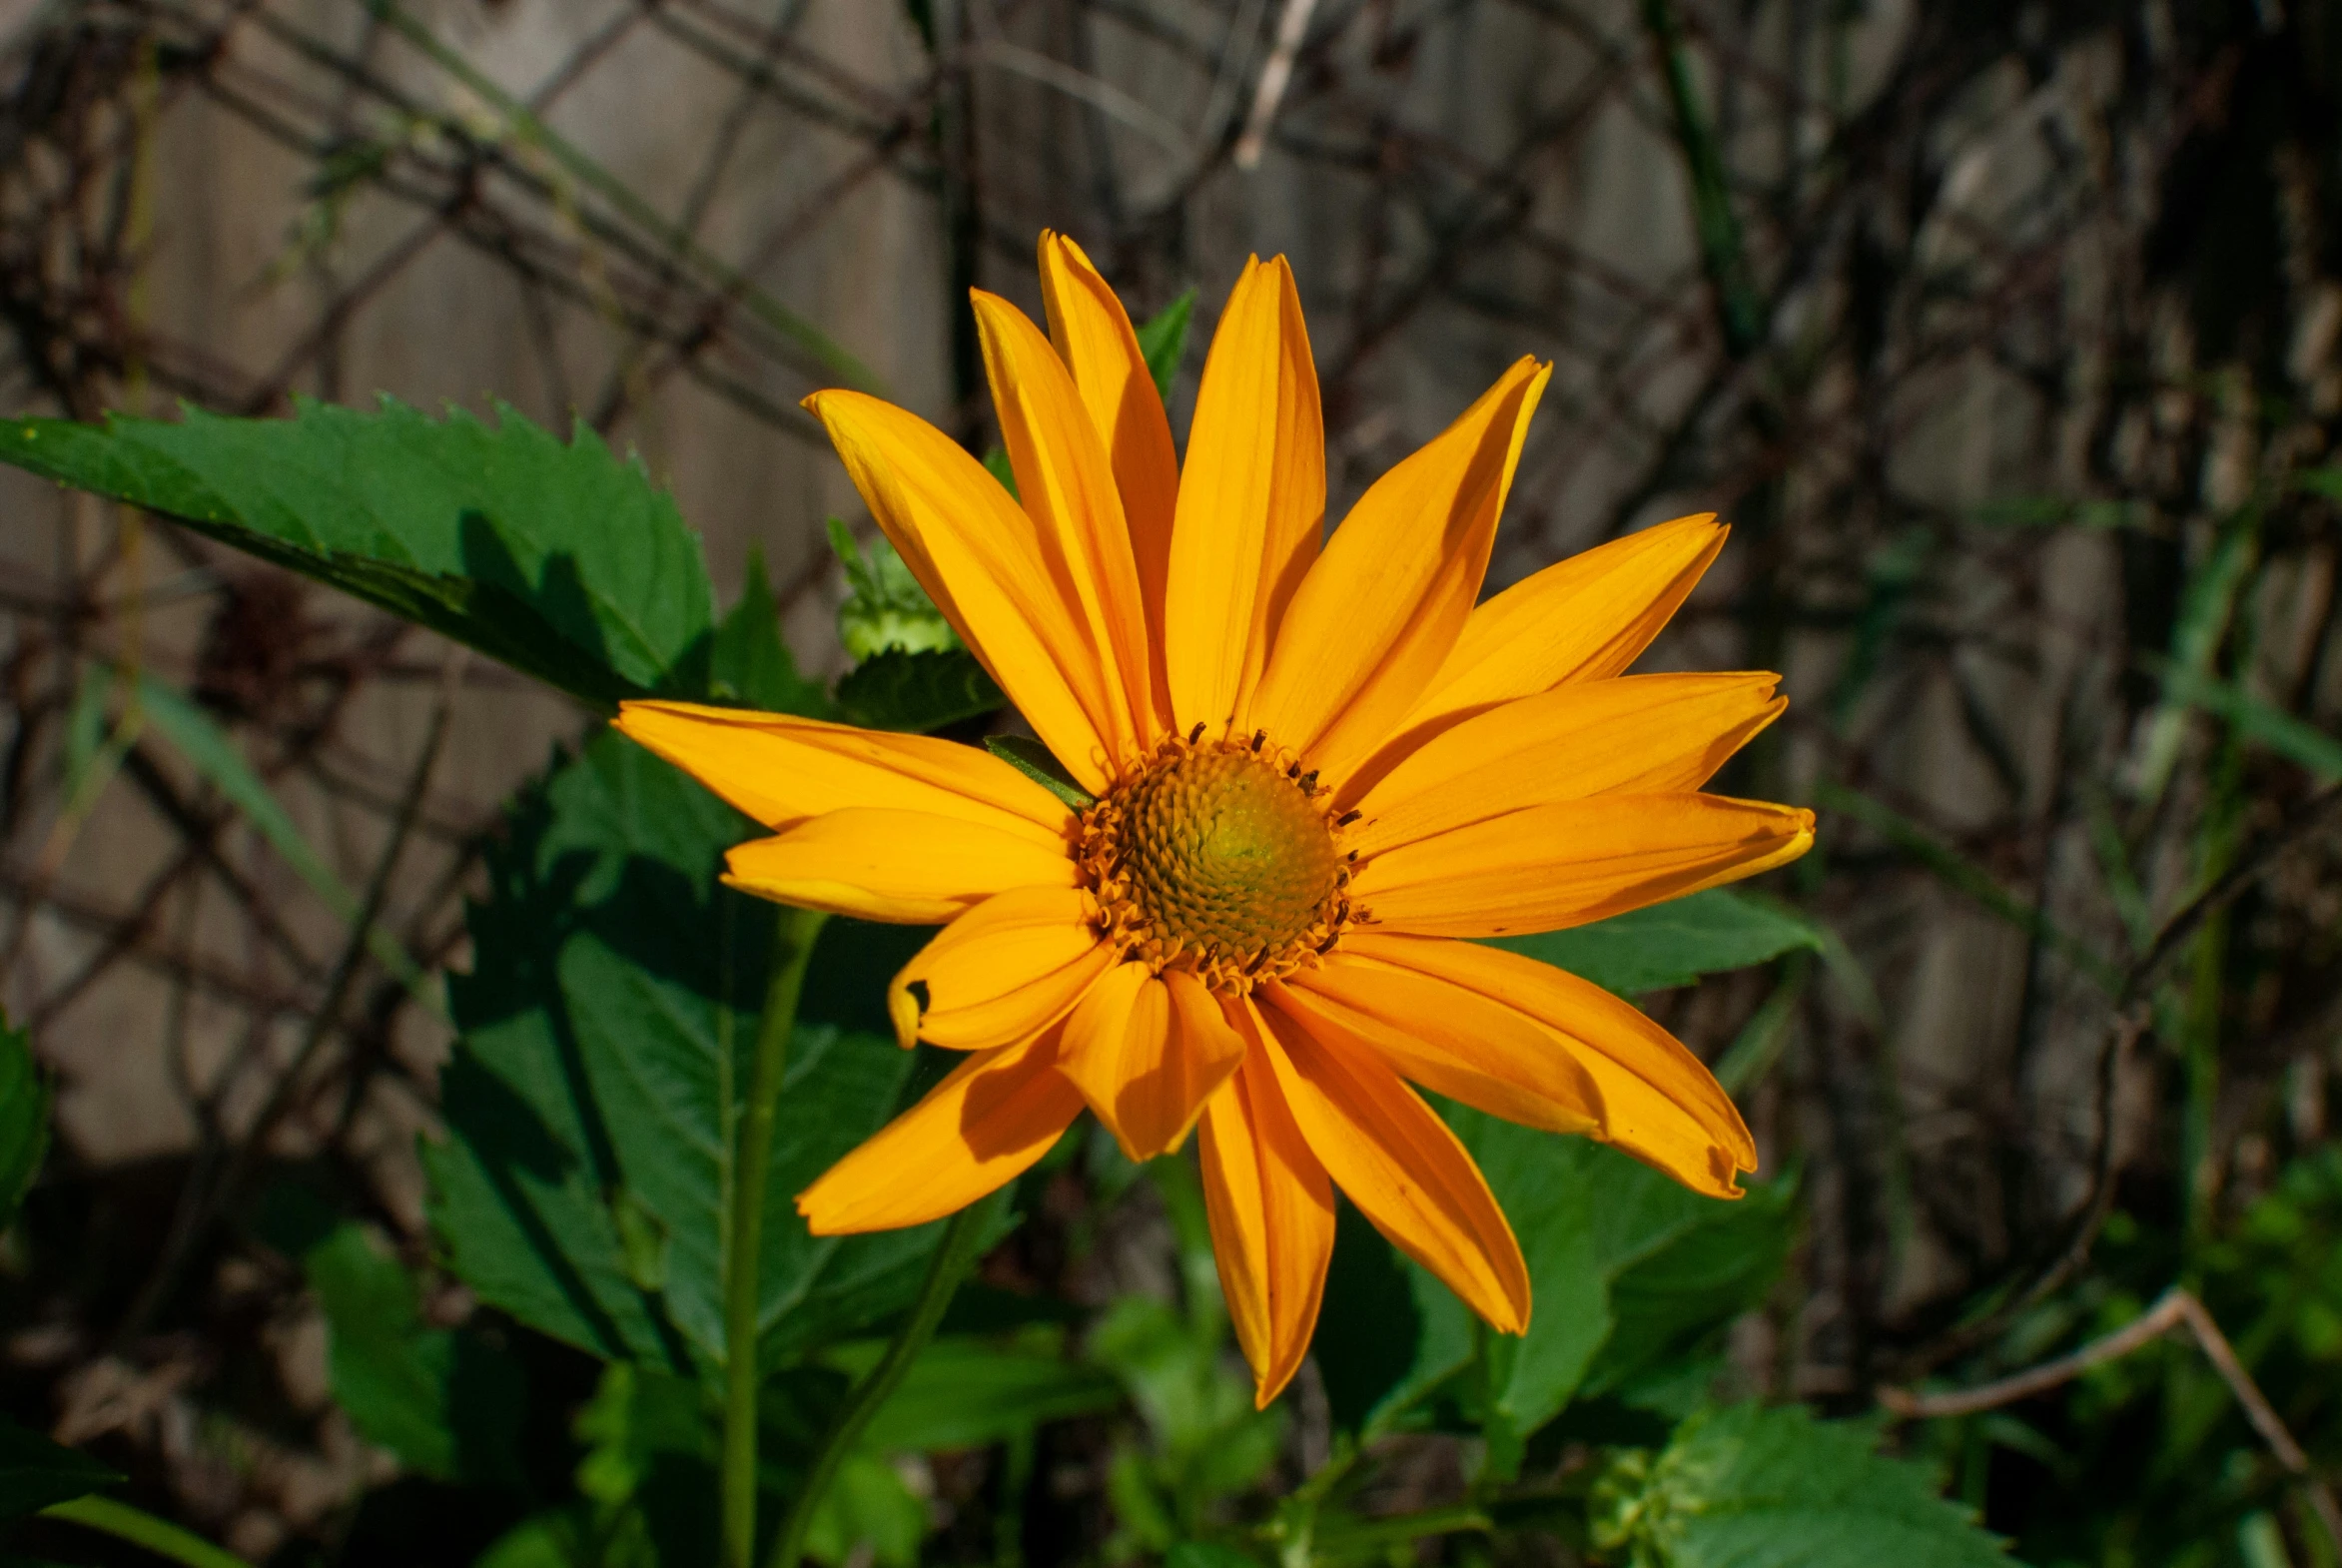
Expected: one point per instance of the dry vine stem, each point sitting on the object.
(2175, 1309)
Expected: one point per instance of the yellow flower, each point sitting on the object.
(1315, 766)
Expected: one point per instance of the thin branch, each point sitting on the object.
(2176, 1309)
(1293, 25)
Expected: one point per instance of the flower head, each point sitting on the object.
(1312, 765)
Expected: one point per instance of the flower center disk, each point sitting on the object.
(1214, 859)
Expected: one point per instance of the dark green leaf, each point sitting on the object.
(607, 1023)
(445, 1403)
(1354, 1347)
(1748, 1487)
(1627, 1268)
(1693, 1283)
(867, 1509)
(561, 560)
(750, 661)
(24, 1118)
(35, 1472)
(1210, 1440)
(1670, 943)
(1163, 338)
(1031, 758)
(884, 607)
(918, 691)
(649, 1472)
(963, 1393)
(1206, 1554)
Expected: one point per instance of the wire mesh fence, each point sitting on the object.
(2004, 334)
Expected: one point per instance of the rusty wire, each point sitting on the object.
(2004, 216)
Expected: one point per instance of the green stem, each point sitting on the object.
(963, 1241)
(1739, 310)
(793, 940)
(140, 1529)
(1375, 1536)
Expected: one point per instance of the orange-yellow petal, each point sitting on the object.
(1068, 489)
(1455, 1044)
(1400, 1165)
(1660, 1103)
(1095, 338)
(980, 559)
(1635, 735)
(1010, 967)
(1561, 864)
(1578, 619)
(781, 769)
(1251, 504)
(1272, 1212)
(1379, 611)
(914, 868)
(978, 1129)
(1147, 1052)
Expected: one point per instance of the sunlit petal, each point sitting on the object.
(1379, 611)
(781, 769)
(976, 1130)
(978, 556)
(1252, 504)
(1069, 491)
(1272, 1212)
(1550, 867)
(1659, 1101)
(1147, 1052)
(1008, 966)
(1095, 339)
(905, 867)
(1400, 1165)
(1637, 734)
(1457, 1044)
(1580, 620)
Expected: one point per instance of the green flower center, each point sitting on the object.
(1214, 859)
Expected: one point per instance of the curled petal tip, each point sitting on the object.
(904, 1009)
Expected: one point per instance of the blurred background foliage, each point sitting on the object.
(2007, 335)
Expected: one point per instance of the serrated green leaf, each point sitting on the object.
(917, 692)
(608, 1026)
(36, 1473)
(561, 560)
(443, 1400)
(884, 607)
(1162, 341)
(1748, 1487)
(751, 665)
(1601, 1233)
(1691, 1281)
(1670, 943)
(1031, 758)
(1627, 1268)
(24, 1118)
